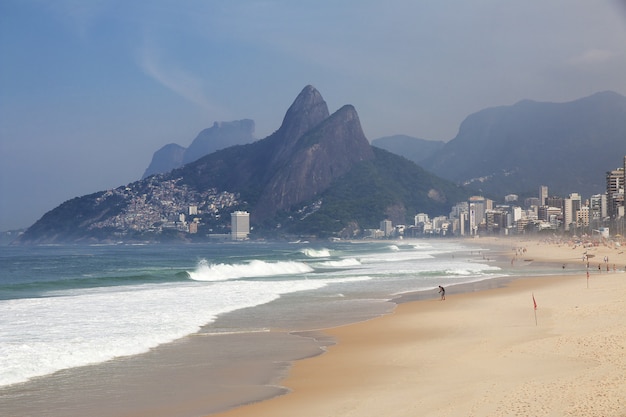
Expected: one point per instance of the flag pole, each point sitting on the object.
(535, 308)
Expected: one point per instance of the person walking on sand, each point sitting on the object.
(442, 291)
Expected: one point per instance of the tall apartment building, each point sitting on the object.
(597, 207)
(239, 225)
(615, 191)
(571, 206)
(477, 205)
(543, 195)
(496, 220)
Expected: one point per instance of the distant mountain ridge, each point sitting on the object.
(413, 149)
(221, 135)
(316, 175)
(515, 149)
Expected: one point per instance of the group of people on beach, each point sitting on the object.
(605, 260)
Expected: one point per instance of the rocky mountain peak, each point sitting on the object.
(321, 155)
(307, 111)
(219, 136)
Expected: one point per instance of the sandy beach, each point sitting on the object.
(484, 353)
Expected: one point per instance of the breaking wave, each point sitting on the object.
(316, 253)
(206, 271)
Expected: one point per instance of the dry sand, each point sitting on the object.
(480, 354)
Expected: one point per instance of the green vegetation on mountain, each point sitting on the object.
(386, 187)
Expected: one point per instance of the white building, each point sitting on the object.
(387, 227)
(239, 225)
(421, 218)
(571, 205)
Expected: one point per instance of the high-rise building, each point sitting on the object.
(582, 216)
(478, 205)
(543, 195)
(571, 206)
(615, 191)
(554, 202)
(239, 225)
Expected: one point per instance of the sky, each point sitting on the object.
(90, 89)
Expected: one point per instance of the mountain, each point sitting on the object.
(297, 162)
(221, 135)
(317, 174)
(567, 146)
(413, 149)
(384, 187)
(167, 158)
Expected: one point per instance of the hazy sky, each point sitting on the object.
(89, 89)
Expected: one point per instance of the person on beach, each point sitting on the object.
(442, 291)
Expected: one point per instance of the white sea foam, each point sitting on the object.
(74, 327)
(343, 263)
(316, 253)
(39, 336)
(395, 256)
(206, 271)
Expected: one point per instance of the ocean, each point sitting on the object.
(66, 307)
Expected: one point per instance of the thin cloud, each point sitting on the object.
(179, 81)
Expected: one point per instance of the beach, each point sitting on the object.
(482, 353)
(339, 350)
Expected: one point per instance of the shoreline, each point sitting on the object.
(172, 379)
(479, 352)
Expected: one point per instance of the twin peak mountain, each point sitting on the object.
(297, 162)
(316, 175)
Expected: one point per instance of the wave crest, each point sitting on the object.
(344, 263)
(206, 271)
(316, 253)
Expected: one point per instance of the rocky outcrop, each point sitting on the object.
(165, 159)
(297, 162)
(316, 158)
(219, 136)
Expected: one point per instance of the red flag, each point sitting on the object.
(534, 302)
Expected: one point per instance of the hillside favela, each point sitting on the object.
(312, 209)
